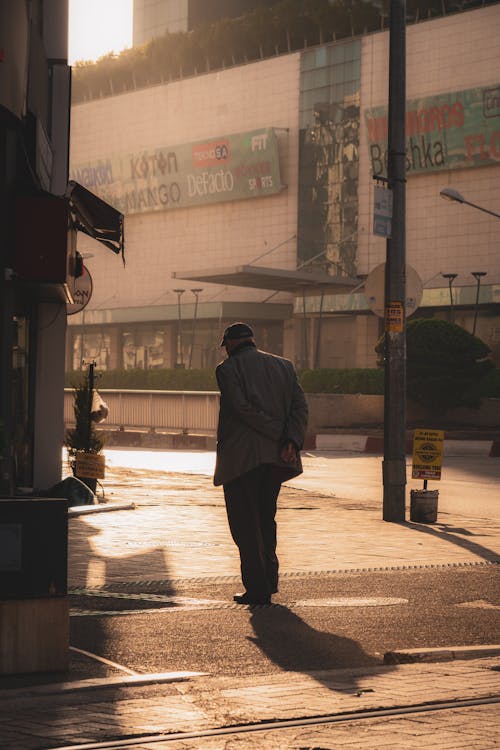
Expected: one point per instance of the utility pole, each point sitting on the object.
(394, 464)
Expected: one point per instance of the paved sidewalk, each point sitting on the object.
(155, 542)
(206, 703)
(347, 534)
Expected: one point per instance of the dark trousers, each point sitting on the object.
(251, 510)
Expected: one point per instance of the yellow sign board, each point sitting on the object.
(90, 465)
(427, 454)
(394, 317)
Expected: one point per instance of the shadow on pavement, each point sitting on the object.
(33, 721)
(293, 645)
(455, 535)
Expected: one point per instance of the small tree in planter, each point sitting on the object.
(83, 443)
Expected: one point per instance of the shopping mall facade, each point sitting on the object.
(249, 195)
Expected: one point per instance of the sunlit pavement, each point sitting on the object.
(328, 519)
(468, 484)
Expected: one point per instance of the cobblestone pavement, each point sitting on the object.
(466, 728)
(48, 721)
(178, 531)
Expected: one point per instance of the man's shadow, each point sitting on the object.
(294, 645)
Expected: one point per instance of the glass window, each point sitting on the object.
(143, 349)
(351, 88)
(321, 57)
(352, 50)
(308, 60)
(338, 54)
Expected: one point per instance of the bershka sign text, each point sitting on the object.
(448, 131)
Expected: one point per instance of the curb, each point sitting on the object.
(419, 655)
(375, 445)
(60, 688)
(85, 510)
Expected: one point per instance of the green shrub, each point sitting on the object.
(367, 381)
(445, 364)
(489, 387)
(149, 380)
(326, 380)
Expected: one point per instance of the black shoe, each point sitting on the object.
(251, 600)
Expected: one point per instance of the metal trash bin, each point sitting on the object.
(424, 506)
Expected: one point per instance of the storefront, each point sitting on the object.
(271, 166)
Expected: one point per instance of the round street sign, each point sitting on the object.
(375, 290)
(427, 452)
(82, 293)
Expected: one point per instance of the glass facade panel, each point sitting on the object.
(321, 57)
(328, 159)
(337, 54)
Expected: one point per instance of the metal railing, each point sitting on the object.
(182, 411)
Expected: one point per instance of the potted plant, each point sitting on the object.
(83, 442)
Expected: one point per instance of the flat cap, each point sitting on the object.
(237, 331)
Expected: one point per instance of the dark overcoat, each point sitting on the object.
(262, 407)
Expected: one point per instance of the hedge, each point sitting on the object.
(313, 381)
(151, 380)
(367, 381)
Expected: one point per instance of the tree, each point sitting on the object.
(445, 364)
(83, 438)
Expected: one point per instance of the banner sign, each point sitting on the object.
(449, 131)
(382, 211)
(427, 454)
(232, 167)
(90, 465)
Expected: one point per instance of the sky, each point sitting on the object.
(97, 27)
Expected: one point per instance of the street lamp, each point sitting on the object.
(451, 278)
(478, 275)
(450, 194)
(179, 355)
(196, 293)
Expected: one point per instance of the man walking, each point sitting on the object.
(262, 425)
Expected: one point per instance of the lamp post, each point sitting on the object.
(196, 293)
(179, 359)
(450, 194)
(478, 275)
(451, 278)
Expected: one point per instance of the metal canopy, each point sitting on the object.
(275, 279)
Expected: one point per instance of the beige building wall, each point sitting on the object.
(453, 53)
(259, 95)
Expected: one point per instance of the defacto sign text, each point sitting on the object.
(232, 167)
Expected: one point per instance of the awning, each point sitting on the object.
(275, 279)
(96, 218)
